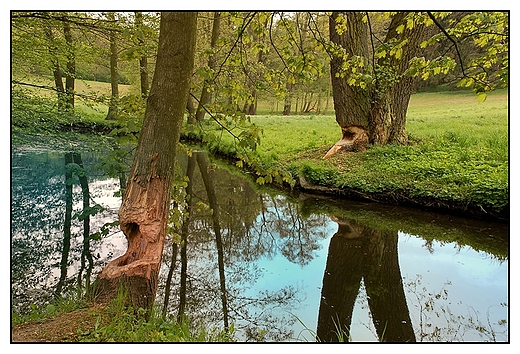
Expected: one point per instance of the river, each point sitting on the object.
(291, 265)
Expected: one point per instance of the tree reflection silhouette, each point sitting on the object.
(227, 234)
(74, 171)
(212, 198)
(358, 252)
(69, 160)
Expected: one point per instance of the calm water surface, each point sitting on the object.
(291, 266)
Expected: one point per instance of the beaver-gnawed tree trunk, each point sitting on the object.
(144, 211)
(376, 113)
(351, 104)
(143, 58)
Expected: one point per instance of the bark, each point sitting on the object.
(253, 73)
(288, 99)
(352, 105)
(205, 97)
(251, 104)
(144, 211)
(114, 76)
(190, 108)
(388, 114)
(381, 107)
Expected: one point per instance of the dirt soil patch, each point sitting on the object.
(61, 328)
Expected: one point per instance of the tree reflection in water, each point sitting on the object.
(357, 252)
(225, 242)
(51, 229)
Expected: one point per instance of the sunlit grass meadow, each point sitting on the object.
(458, 152)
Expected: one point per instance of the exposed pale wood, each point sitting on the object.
(354, 138)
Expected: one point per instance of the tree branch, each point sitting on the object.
(45, 87)
(234, 44)
(443, 30)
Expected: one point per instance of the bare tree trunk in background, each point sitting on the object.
(143, 59)
(114, 75)
(288, 99)
(144, 211)
(56, 70)
(70, 75)
(205, 96)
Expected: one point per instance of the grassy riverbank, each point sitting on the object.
(77, 320)
(457, 159)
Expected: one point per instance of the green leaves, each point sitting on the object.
(89, 211)
(104, 230)
(425, 69)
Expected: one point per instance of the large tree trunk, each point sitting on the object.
(390, 104)
(380, 108)
(144, 211)
(351, 104)
(114, 76)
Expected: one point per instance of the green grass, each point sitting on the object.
(114, 322)
(458, 155)
(435, 114)
(88, 109)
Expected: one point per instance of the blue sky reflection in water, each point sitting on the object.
(452, 291)
(476, 286)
